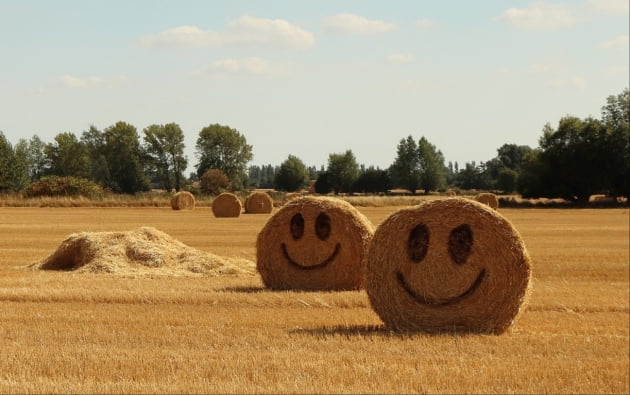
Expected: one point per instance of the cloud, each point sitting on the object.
(617, 70)
(400, 58)
(90, 82)
(246, 30)
(355, 24)
(538, 15)
(426, 23)
(618, 7)
(577, 82)
(548, 68)
(253, 66)
(617, 42)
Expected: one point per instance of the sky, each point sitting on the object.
(312, 78)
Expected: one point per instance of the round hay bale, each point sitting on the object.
(447, 265)
(489, 199)
(451, 193)
(183, 200)
(314, 243)
(258, 203)
(226, 205)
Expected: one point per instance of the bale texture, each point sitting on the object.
(447, 265)
(314, 243)
(489, 199)
(258, 203)
(227, 205)
(140, 252)
(183, 200)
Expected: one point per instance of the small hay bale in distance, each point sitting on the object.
(447, 265)
(258, 203)
(314, 243)
(489, 199)
(227, 205)
(183, 200)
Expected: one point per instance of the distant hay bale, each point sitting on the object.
(314, 243)
(258, 203)
(447, 265)
(489, 199)
(183, 200)
(226, 205)
(143, 251)
(450, 193)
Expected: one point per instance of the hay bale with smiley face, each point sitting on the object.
(183, 200)
(227, 205)
(447, 265)
(489, 199)
(258, 203)
(314, 243)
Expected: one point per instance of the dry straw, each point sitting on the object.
(141, 252)
(447, 265)
(314, 243)
(258, 203)
(489, 199)
(183, 200)
(226, 205)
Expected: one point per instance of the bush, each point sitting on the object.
(64, 186)
(214, 181)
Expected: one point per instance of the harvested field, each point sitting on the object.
(72, 332)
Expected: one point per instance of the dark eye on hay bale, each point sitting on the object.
(474, 275)
(299, 248)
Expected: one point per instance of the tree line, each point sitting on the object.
(578, 158)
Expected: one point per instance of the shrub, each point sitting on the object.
(64, 186)
(214, 181)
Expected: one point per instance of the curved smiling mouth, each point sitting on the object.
(440, 302)
(310, 267)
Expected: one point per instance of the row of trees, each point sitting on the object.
(578, 158)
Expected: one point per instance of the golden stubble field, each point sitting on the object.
(64, 332)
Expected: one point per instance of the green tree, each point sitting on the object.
(6, 164)
(38, 163)
(373, 180)
(164, 145)
(432, 168)
(21, 175)
(125, 159)
(68, 156)
(342, 171)
(224, 148)
(94, 141)
(292, 175)
(214, 181)
(406, 167)
(616, 118)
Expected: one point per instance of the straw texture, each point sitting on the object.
(489, 199)
(140, 252)
(447, 265)
(183, 200)
(258, 203)
(314, 243)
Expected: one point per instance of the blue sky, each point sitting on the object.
(311, 78)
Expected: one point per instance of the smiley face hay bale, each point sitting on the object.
(451, 264)
(183, 200)
(258, 203)
(227, 205)
(314, 243)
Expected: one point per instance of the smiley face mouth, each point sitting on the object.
(440, 302)
(310, 267)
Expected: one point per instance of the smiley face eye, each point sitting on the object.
(418, 243)
(297, 226)
(322, 226)
(460, 243)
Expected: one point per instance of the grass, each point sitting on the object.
(64, 332)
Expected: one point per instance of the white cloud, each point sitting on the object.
(245, 30)
(242, 67)
(355, 24)
(548, 68)
(617, 70)
(577, 82)
(426, 23)
(617, 42)
(619, 7)
(90, 82)
(539, 15)
(400, 58)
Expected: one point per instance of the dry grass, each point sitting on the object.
(97, 333)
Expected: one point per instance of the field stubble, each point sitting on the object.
(65, 332)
